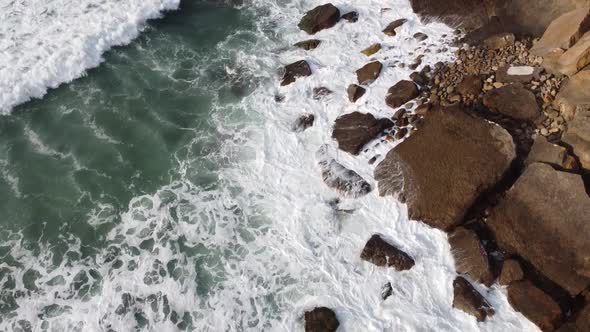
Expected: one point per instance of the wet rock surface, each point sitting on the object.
(353, 131)
(468, 299)
(470, 255)
(320, 18)
(369, 72)
(381, 253)
(401, 93)
(295, 70)
(321, 319)
(535, 305)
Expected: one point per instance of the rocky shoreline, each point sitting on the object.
(494, 150)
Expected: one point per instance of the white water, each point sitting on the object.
(44, 43)
(267, 245)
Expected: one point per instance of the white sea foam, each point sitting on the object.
(46, 43)
(270, 242)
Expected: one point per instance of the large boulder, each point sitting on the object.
(545, 218)
(563, 32)
(578, 136)
(513, 100)
(535, 305)
(352, 131)
(321, 319)
(293, 71)
(468, 299)
(544, 152)
(401, 93)
(348, 182)
(369, 72)
(580, 323)
(319, 18)
(381, 253)
(470, 256)
(573, 92)
(443, 168)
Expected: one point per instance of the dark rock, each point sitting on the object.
(401, 133)
(544, 218)
(451, 149)
(303, 122)
(511, 272)
(469, 300)
(499, 41)
(387, 291)
(355, 92)
(390, 29)
(369, 72)
(351, 17)
(580, 323)
(470, 255)
(419, 78)
(535, 305)
(321, 92)
(309, 44)
(577, 136)
(340, 178)
(319, 18)
(279, 98)
(456, 13)
(381, 253)
(321, 319)
(352, 131)
(374, 48)
(295, 70)
(401, 93)
(372, 160)
(419, 36)
(514, 101)
(470, 85)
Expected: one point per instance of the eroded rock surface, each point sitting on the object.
(469, 300)
(381, 253)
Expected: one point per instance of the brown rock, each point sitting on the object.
(511, 272)
(369, 72)
(441, 169)
(469, 300)
(319, 18)
(499, 41)
(401, 93)
(390, 29)
(470, 256)
(321, 319)
(514, 101)
(563, 32)
(573, 92)
(295, 70)
(352, 131)
(545, 218)
(580, 323)
(381, 253)
(578, 136)
(355, 92)
(321, 92)
(351, 17)
(548, 153)
(371, 49)
(336, 176)
(309, 44)
(535, 305)
(470, 85)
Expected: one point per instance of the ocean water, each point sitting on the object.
(149, 180)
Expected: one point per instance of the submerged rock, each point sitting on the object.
(442, 168)
(369, 72)
(535, 305)
(295, 70)
(321, 319)
(319, 18)
(401, 93)
(321, 92)
(351, 17)
(468, 299)
(303, 122)
(336, 176)
(381, 253)
(354, 130)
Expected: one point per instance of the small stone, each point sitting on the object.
(498, 85)
(386, 291)
(390, 29)
(419, 36)
(351, 17)
(371, 49)
(321, 92)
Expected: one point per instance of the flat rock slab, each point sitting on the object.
(321, 319)
(369, 72)
(563, 32)
(320, 18)
(545, 218)
(441, 169)
(352, 131)
(535, 305)
(293, 71)
(578, 136)
(401, 93)
(468, 299)
(513, 100)
(470, 256)
(381, 253)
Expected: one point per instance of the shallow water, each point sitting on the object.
(165, 189)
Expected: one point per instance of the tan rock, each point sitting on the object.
(562, 33)
(548, 153)
(578, 136)
(573, 92)
(576, 58)
(470, 256)
(371, 49)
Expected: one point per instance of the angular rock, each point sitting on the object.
(295, 70)
(576, 57)
(442, 168)
(351, 17)
(573, 92)
(580, 323)
(319, 18)
(499, 41)
(355, 92)
(470, 85)
(381, 253)
(545, 218)
(514, 101)
(303, 122)
(386, 291)
(369, 72)
(563, 32)
(390, 28)
(401, 93)
(468, 299)
(511, 272)
(371, 49)
(321, 92)
(470, 256)
(352, 131)
(321, 319)
(309, 44)
(544, 152)
(535, 305)
(578, 136)
(336, 176)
